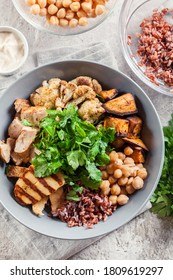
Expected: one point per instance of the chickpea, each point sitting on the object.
(129, 161)
(52, 9)
(130, 189)
(58, 4)
(110, 167)
(35, 9)
(66, 3)
(51, 1)
(113, 156)
(81, 13)
(63, 22)
(118, 163)
(43, 12)
(73, 22)
(61, 13)
(105, 187)
(104, 175)
(69, 14)
(122, 199)
(113, 199)
(115, 189)
(118, 173)
(112, 180)
(100, 9)
(42, 3)
(128, 151)
(130, 180)
(122, 181)
(126, 170)
(137, 183)
(142, 173)
(75, 6)
(86, 6)
(83, 21)
(121, 156)
(54, 20)
(30, 2)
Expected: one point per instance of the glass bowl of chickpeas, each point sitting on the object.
(64, 17)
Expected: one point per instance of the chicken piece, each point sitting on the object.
(5, 151)
(11, 142)
(21, 103)
(33, 114)
(56, 199)
(38, 207)
(15, 171)
(15, 128)
(25, 139)
(44, 96)
(20, 158)
(30, 190)
(96, 86)
(91, 110)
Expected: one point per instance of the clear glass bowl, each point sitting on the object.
(41, 22)
(131, 16)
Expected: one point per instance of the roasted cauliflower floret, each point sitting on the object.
(83, 80)
(85, 91)
(91, 110)
(44, 96)
(88, 81)
(70, 90)
(54, 83)
(96, 86)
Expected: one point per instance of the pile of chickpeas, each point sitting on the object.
(122, 177)
(67, 12)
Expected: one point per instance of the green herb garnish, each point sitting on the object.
(162, 200)
(72, 145)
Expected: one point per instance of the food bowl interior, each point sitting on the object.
(42, 24)
(151, 134)
(132, 14)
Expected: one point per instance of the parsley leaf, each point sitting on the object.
(162, 200)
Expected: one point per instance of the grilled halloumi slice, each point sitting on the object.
(29, 189)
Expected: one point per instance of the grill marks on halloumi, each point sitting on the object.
(30, 190)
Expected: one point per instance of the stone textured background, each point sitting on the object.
(146, 237)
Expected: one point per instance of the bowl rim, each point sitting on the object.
(126, 220)
(22, 38)
(136, 70)
(43, 29)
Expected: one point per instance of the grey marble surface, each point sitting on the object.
(146, 237)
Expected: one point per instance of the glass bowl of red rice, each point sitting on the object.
(146, 34)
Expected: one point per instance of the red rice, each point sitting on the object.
(156, 48)
(92, 208)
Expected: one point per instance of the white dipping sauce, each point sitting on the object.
(11, 51)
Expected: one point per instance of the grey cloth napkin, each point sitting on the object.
(15, 239)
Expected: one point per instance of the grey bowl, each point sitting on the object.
(152, 135)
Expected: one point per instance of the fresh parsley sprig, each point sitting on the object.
(162, 200)
(69, 144)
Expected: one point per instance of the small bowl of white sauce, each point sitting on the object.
(13, 50)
